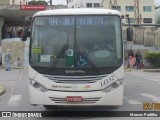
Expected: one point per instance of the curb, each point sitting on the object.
(144, 70)
(2, 91)
(151, 70)
(14, 67)
(127, 70)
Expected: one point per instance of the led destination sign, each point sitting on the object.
(53, 21)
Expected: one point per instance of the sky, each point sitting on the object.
(55, 2)
(157, 2)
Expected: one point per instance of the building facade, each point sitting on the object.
(84, 3)
(139, 11)
(13, 2)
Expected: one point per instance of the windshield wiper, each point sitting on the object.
(64, 48)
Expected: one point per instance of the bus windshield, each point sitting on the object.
(92, 42)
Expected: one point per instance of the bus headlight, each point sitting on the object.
(113, 86)
(37, 85)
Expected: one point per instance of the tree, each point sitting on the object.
(158, 21)
(33, 2)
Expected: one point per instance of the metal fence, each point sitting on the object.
(148, 36)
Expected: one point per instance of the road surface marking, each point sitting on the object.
(153, 79)
(20, 75)
(133, 102)
(125, 97)
(154, 98)
(14, 100)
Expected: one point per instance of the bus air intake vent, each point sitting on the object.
(75, 79)
(84, 100)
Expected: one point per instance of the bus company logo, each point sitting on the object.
(74, 71)
(62, 86)
(86, 87)
(73, 87)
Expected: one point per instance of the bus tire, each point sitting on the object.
(49, 107)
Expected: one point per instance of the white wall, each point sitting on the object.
(124, 3)
(16, 2)
(81, 3)
(4, 1)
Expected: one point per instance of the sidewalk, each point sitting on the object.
(143, 70)
(7, 76)
(13, 67)
(151, 70)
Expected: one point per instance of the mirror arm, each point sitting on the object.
(26, 28)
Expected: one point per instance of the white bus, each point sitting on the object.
(76, 58)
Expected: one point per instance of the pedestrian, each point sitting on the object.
(127, 59)
(18, 61)
(14, 33)
(138, 59)
(131, 61)
(7, 60)
(19, 33)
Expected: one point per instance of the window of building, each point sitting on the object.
(130, 8)
(132, 20)
(88, 5)
(147, 8)
(147, 20)
(117, 8)
(96, 5)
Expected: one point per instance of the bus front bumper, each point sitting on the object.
(95, 98)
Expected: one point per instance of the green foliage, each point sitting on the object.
(158, 21)
(37, 3)
(153, 58)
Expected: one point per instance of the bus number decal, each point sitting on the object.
(69, 52)
(107, 81)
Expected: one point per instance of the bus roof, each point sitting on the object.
(77, 11)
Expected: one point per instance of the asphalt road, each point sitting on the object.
(139, 87)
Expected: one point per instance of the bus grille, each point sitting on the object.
(75, 79)
(84, 100)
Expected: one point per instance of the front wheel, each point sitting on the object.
(49, 107)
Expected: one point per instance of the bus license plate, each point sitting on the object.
(74, 98)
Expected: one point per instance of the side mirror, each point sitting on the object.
(129, 34)
(26, 32)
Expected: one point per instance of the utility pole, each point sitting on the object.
(137, 14)
(112, 4)
(50, 2)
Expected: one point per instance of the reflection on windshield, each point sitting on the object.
(92, 42)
